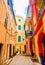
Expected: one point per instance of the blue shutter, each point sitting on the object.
(19, 20)
(24, 27)
(19, 27)
(19, 38)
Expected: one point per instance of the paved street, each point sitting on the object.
(22, 60)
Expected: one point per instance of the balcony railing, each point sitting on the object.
(30, 33)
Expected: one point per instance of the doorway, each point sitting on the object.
(1, 45)
(25, 48)
(1, 48)
(18, 50)
(10, 51)
(13, 49)
(31, 49)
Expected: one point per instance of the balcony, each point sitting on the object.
(28, 34)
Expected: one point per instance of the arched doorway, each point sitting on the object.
(18, 50)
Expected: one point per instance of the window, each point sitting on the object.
(24, 27)
(6, 22)
(19, 38)
(19, 27)
(19, 20)
(8, 2)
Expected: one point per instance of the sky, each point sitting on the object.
(19, 7)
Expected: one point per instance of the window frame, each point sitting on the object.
(19, 38)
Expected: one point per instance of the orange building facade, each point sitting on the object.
(7, 32)
(39, 34)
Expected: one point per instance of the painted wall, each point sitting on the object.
(38, 3)
(20, 32)
(43, 19)
(2, 33)
(28, 46)
(6, 34)
(38, 45)
(20, 21)
(2, 11)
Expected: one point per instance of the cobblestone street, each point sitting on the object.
(22, 60)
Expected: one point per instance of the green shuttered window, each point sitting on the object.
(19, 27)
(19, 38)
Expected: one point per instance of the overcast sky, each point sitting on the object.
(19, 7)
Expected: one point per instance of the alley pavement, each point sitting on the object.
(22, 60)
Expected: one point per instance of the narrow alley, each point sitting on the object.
(22, 60)
(22, 32)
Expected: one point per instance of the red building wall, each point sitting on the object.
(28, 46)
(40, 37)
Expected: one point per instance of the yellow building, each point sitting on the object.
(2, 42)
(20, 39)
(7, 32)
(2, 31)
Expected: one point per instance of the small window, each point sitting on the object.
(6, 22)
(8, 2)
(24, 27)
(19, 20)
(19, 38)
(19, 27)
